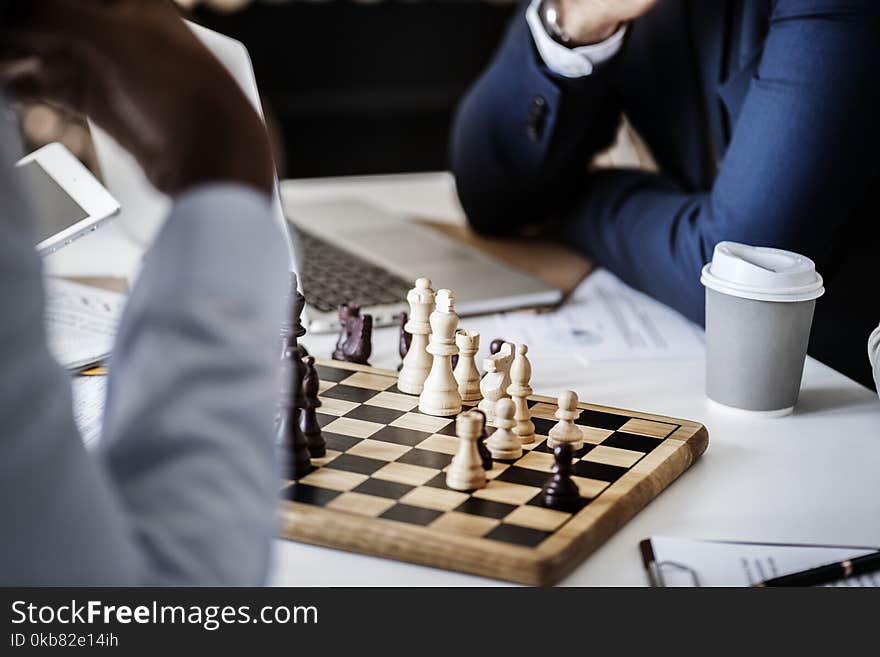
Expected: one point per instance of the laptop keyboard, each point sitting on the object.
(332, 276)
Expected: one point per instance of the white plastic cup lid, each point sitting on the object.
(762, 274)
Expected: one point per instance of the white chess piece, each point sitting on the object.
(519, 390)
(417, 362)
(466, 470)
(466, 372)
(497, 379)
(440, 394)
(504, 443)
(566, 431)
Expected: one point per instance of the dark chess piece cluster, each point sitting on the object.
(292, 445)
(355, 342)
(298, 433)
(560, 492)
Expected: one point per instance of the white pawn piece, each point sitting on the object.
(504, 443)
(466, 372)
(466, 470)
(417, 362)
(519, 390)
(566, 431)
(497, 379)
(440, 394)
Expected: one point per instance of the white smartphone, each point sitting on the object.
(68, 201)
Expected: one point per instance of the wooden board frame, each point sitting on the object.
(544, 565)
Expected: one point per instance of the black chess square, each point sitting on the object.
(332, 374)
(632, 441)
(338, 442)
(545, 448)
(353, 463)
(380, 488)
(324, 419)
(486, 508)
(414, 515)
(439, 481)
(426, 458)
(542, 426)
(309, 494)
(400, 436)
(517, 475)
(350, 393)
(601, 420)
(518, 535)
(532, 402)
(600, 471)
(448, 430)
(375, 414)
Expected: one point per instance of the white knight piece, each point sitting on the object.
(497, 379)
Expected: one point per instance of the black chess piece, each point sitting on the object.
(482, 448)
(290, 441)
(355, 343)
(405, 340)
(309, 418)
(495, 346)
(291, 328)
(560, 492)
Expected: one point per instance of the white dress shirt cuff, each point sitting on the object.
(571, 62)
(874, 355)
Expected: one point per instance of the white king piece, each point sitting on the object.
(440, 394)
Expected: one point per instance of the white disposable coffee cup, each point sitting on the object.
(759, 312)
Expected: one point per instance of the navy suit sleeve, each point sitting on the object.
(524, 136)
(799, 160)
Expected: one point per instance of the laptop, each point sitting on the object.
(344, 251)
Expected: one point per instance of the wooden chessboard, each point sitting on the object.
(381, 488)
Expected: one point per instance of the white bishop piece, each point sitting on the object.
(417, 363)
(519, 390)
(440, 394)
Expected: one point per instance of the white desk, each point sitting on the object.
(808, 478)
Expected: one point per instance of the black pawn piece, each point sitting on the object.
(560, 492)
(291, 442)
(355, 343)
(495, 346)
(485, 454)
(405, 339)
(309, 419)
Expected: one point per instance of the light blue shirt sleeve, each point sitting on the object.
(183, 490)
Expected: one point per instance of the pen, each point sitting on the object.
(827, 573)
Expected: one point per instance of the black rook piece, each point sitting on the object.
(485, 454)
(405, 340)
(309, 420)
(355, 342)
(560, 492)
(290, 441)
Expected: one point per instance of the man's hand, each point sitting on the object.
(592, 21)
(134, 68)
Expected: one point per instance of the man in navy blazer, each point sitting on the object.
(763, 117)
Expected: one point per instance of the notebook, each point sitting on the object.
(677, 562)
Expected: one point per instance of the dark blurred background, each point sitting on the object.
(357, 88)
(349, 86)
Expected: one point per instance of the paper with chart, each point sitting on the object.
(80, 322)
(606, 320)
(681, 562)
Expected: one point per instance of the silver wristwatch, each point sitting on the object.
(549, 13)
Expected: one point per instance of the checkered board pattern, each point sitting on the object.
(381, 488)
